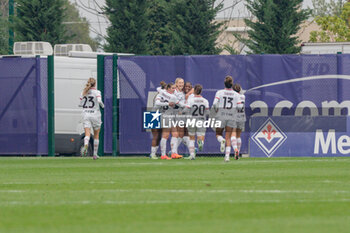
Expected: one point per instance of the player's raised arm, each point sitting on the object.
(99, 99)
(159, 103)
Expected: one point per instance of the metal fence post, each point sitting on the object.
(101, 88)
(38, 99)
(51, 105)
(115, 147)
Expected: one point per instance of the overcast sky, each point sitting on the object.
(90, 9)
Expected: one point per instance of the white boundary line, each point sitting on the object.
(174, 191)
(147, 202)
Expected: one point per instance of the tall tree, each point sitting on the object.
(129, 26)
(3, 35)
(40, 20)
(77, 28)
(194, 30)
(327, 7)
(275, 26)
(334, 28)
(4, 27)
(159, 33)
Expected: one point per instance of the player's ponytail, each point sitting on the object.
(162, 84)
(198, 89)
(228, 81)
(90, 83)
(237, 88)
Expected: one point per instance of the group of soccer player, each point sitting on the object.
(180, 101)
(177, 102)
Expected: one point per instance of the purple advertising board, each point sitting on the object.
(274, 85)
(299, 136)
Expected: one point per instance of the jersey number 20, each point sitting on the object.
(200, 109)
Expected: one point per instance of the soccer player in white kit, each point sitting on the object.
(166, 102)
(198, 108)
(91, 102)
(156, 133)
(225, 104)
(180, 95)
(236, 140)
(188, 91)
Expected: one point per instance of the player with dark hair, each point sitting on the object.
(156, 133)
(198, 108)
(167, 101)
(236, 140)
(225, 104)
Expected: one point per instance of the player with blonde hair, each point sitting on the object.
(90, 101)
(178, 111)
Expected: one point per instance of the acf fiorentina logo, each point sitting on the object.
(269, 137)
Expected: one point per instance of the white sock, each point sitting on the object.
(173, 144)
(163, 146)
(191, 148)
(220, 138)
(96, 143)
(154, 150)
(239, 143)
(86, 140)
(186, 140)
(234, 142)
(227, 151)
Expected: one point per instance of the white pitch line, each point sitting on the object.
(175, 191)
(132, 202)
(179, 181)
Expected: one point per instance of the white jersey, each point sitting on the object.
(189, 97)
(198, 107)
(162, 102)
(91, 102)
(225, 103)
(181, 100)
(241, 109)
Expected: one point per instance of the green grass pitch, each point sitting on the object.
(205, 195)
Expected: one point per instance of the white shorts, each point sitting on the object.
(229, 123)
(192, 131)
(180, 117)
(167, 120)
(91, 121)
(239, 125)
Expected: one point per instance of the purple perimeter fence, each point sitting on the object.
(23, 106)
(269, 80)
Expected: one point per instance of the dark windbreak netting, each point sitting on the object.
(23, 106)
(108, 101)
(273, 84)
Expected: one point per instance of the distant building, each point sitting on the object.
(238, 25)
